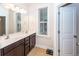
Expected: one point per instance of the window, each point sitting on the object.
(18, 20)
(43, 21)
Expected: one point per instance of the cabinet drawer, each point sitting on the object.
(11, 53)
(27, 49)
(33, 36)
(12, 46)
(26, 42)
(27, 45)
(1, 52)
(27, 38)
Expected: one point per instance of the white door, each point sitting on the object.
(67, 31)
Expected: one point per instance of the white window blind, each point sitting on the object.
(43, 21)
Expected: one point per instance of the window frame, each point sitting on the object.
(42, 21)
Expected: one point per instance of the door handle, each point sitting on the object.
(77, 44)
(58, 32)
(75, 36)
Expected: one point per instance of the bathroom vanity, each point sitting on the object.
(21, 45)
(16, 38)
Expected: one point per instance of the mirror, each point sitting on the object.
(2, 25)
(11, 21)
(18, 22)
(14, 22)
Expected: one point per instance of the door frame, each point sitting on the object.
(58, 26)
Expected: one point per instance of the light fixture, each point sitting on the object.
(9, 6)
(22, 10)
(15, 8)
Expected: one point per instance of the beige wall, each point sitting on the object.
(11, 22)
(42, 41)
(24, 23)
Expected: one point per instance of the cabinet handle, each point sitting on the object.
(75, 36)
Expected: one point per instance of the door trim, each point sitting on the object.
(58, 29)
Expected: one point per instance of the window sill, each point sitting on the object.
(42, 35)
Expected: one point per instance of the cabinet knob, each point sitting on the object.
(75, 36)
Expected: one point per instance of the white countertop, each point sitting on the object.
(12, 38)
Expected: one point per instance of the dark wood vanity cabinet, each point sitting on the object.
(19, 48)
(32, 41)
(27, 46)
(1, 52)
(18, 51)
(15, 49)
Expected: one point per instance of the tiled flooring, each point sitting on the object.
(38, 52)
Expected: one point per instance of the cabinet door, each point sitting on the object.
(32, 41)
(11, 53)
(27, 49)
(18, 51)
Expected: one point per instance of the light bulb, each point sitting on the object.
(17, 9)
(6, 6)
(9, 6)
(22, 11)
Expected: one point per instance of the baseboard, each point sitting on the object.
(44, 47)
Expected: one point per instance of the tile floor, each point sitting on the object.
(38, 52)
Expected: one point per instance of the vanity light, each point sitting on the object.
(22, 10)
(13, 8)
(9, 6)
(17, 9)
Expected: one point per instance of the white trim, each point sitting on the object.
(43, 22)
(44, 47)
(42, 35)
(56, 40)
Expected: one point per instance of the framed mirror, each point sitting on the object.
(18, 22)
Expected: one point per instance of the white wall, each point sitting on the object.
(42, 41)
(24, 23)
(51, 40)
(11, 27)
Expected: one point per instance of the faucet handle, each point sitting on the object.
(7, 36)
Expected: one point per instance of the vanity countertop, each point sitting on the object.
(12, 38)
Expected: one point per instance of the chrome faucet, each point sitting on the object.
(7, 37)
